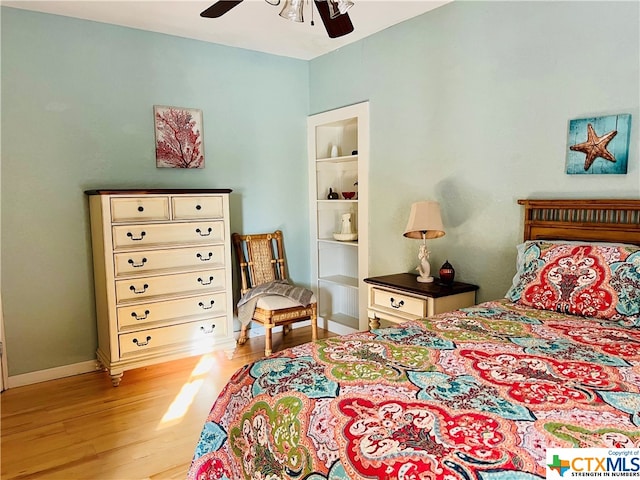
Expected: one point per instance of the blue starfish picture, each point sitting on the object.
(599, 145)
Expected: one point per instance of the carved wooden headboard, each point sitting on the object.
(600, 220)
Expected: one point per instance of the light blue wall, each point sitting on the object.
(77, 113)
(470, 105)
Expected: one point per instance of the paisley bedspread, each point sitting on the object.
(478, 393)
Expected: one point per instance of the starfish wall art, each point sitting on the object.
(599, 145)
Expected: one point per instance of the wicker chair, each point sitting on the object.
(260, 260)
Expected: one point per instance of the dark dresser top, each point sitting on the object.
(407, 282)
(144, 191)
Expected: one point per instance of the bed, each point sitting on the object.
(478, 393)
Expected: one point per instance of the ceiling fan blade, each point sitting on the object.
(336, 27)
(219, 8)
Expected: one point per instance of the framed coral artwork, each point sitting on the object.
(599, 145)
(178, 137)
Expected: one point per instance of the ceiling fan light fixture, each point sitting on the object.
(336, 25)
(292, 10)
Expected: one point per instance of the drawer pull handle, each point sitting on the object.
(130, 235)
(204, 282)
(198, 207)
(207, 331)
(135, 315)
(141, 208)
(204, 307)
(202, 234)
(136, 291)
(204, 259)
(137, 265)
(142, 344)
(395, 304)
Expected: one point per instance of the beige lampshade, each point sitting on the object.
(424, 217)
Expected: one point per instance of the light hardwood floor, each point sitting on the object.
(82, 427)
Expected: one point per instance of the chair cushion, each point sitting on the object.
(276, 302)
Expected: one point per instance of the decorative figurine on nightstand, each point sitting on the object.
(447, 273)
(424, 268)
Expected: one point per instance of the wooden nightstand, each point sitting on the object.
(400, 297)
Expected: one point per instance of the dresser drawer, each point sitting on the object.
(145, 236)
(398, 303)
(139, 289)
(152, 340)
(134, 316)
(150, 261)
(187, 208)
(139, 209)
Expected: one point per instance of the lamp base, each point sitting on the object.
(422, 279)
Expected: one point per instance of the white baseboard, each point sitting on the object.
(51, 374)
(92, 365)
(338, 328)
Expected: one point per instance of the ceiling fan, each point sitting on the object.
(332, 12)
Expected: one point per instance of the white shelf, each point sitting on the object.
(342, 280)
(347, 158)
(339, 268)
(338, 242)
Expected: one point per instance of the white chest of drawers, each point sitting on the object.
(162, 272)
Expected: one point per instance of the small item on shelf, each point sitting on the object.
(346, 232)
(348, 195)
(332, 195)
(334, 151)
(354, 152)
(447, 274)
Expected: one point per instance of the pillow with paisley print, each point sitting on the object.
(588, 279)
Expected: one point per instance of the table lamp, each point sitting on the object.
(424, 222)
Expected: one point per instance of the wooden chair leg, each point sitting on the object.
(242, 339)
(314, 328)
(314, 324)
(267, 341)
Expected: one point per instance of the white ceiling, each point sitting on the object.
(254, 24)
